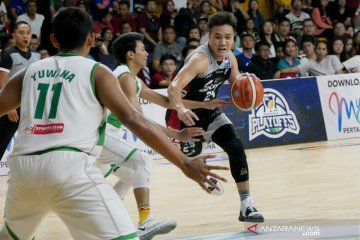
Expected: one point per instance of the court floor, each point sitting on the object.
(305, 191)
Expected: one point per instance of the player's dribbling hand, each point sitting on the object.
(187, 116)
(189, 134)
(198, 170)
(13, 116)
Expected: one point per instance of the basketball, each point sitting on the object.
(247, 92)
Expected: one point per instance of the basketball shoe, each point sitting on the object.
(248, 213)
(151, 228)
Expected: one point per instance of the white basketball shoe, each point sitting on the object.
(151, 228)
(248, 213)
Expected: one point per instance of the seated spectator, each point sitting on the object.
(250, 29)
(308, 48)
(163, 78)
(340, 12)
(279, 53)
(322, 20)
(339, 30)
(267, 33)
(106, 39)
(167, 46)
(16, 8)
(241, 15)
(255, 13)
(103, 22)
(5, 32)
(260, 64)
(125, 27)
(309, 27)
(323, 65)
(338, 49)
(184, 22)
(83, 5)
(194, 33)
(168, 14)
(297, 17)
(205, 8)
(284, 29)
(307, 6)
(123, 15)
(193, 42)
(289, 59)
(184, 53)
(244, 58)
(31, 16)
(34, 42)
(202, 24)
(44, 53)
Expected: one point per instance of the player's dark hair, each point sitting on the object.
(222, 18)
(71, 26)
(125, 43)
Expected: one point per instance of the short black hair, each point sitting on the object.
(167, 56)
(124, 2)
(222, 18)
(261, 43)
(16, 26)
(125, 43)
(29, 1)
(308, 38)
(71, 27)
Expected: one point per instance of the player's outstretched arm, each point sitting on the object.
(164, 101)
(110, 94)
(197, 65)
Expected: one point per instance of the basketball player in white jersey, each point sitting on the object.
(204, 71)
(131, 165)
(52, 166)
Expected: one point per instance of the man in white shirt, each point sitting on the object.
(31, 16)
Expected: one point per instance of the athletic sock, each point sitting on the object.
(144, 212)
(244, 194)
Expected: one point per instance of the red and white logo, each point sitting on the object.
(253, 228)
(41, 129)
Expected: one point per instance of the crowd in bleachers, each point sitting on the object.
(301, 38)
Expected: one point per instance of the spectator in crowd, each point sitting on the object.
(323, 65)
(217, 5)
(97, 5)
(139, 7)
(308, 48)
(4, 12)
(356, 42)
(284, 29)
(250, 29)
(103, 21)
(279, 53)
(194, 7)
(348, 46)
(194, 33)
(297, 17)
(309, 27)
(125, 27)
(341, 13)
(290, 58)
(184, 22)
(322, 20)
(350, 31)
(280, 11)
(241, 16)
(193, 42)
(121, 16)
(34, 42)
(149, 25)
(16, 8)
(205, 8)
(5, 32)
(44, 53)
(247, 45)
(356, 19)
(168, 14)
(339, 30)
(307, 6)
(260, 64)
(267, 33)
(31, 16)
(83, 5)
(106, 39)
(338, 49)
(162, 78)
(202, 23)
(167, 46)
(10, 43)
(255, 13)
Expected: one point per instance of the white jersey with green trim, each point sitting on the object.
(59, 108)
(118, 72)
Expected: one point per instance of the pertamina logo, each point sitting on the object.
(273, 118)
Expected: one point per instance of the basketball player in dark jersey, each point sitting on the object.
(205, 70)
(12, 61)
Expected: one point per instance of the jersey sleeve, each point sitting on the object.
(6, 62)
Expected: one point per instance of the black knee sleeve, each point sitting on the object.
(228, 140)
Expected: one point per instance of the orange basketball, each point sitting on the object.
(247, 92)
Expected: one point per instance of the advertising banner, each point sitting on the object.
(340, 101)
(290, 113)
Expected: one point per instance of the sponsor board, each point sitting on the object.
(290, 113)
(340, 101)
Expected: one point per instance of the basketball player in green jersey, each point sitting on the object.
(132, 166)
(52, 166)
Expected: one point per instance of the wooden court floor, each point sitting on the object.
(303, 182)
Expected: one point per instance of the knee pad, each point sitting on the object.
(237, 158)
